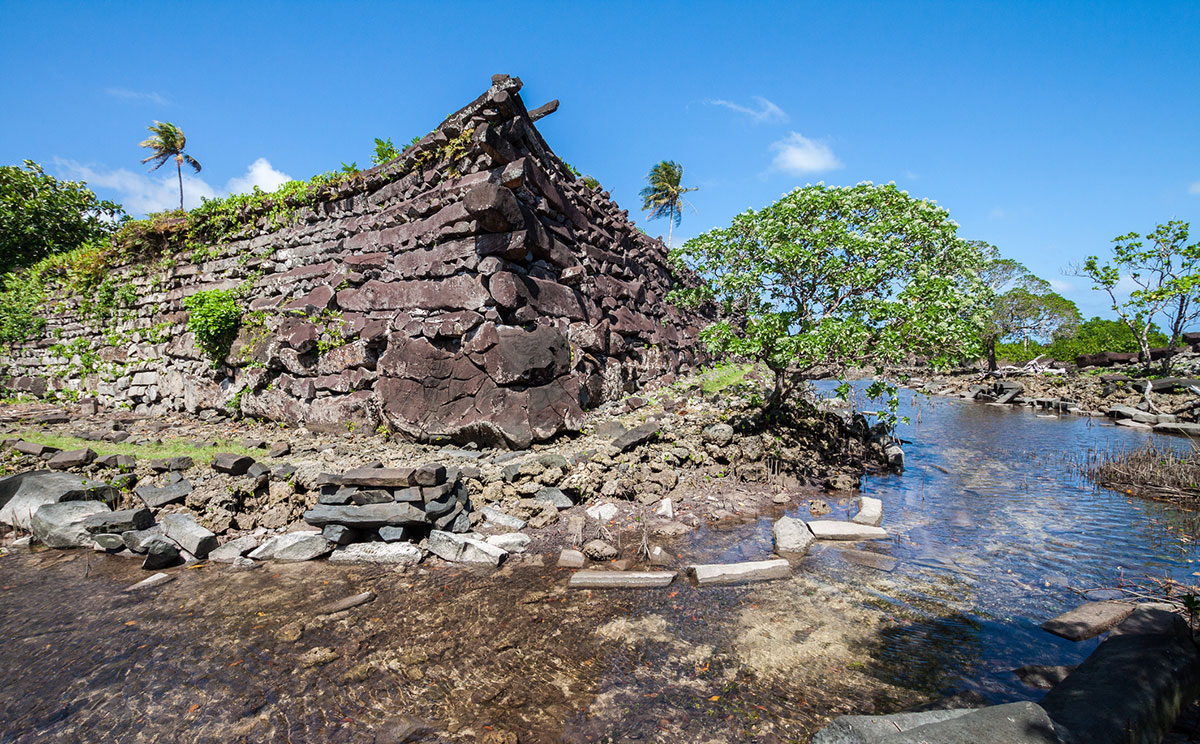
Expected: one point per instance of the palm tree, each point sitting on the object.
(663, 197)
(168, 141)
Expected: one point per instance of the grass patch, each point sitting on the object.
(169, 448)
(1151, 471)
(724, 376)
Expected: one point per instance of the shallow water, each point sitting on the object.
(985, 552)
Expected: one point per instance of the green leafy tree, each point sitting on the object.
(41, 216)
(166, 142)
(1163, 267)
(1023, 305)
(831, 277)
(663, 195)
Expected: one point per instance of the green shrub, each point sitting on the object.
(214, 316)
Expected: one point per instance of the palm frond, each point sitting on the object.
(192, 162)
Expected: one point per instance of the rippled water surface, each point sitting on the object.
(992, 534)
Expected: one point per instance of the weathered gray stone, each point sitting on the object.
(137, 540)
(571, 559)
(367, 516)
(501, 519)
(430, 474)
(736, 573)
(870, 512)
(108, 542)
(620, 579)
(22, 494)
(341, 605)
(171, 464)
(377, 477)
(636, 436)
(792, 536)
(377, 552)
(554, 496)
(157, 497)
(62, 525)
(190, 536)
(160, 553)
(124, 520)
(1089, 620)
(294, 546)
(342, 535)
(233, 549)
(719, 434)
(827, 529)
(1134, 684)
(511, 542)
(1014, 723)
(71, 459)
(598, 550)
(233, 464)
(463, 549)
(866, 558)
(371, 496)
(873, 729)
(150, 582)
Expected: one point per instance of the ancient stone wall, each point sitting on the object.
(472, 289)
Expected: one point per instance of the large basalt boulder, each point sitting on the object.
(64, 524)
(21, 495)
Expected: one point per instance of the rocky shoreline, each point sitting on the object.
(640, 476)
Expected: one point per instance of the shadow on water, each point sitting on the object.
(991, 533)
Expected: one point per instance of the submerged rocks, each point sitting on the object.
(870, 512)
(827, 529)
(736, 573)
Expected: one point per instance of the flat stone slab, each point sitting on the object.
(233, 549)
(620, 579)
(462, 549)
(1014, 723)
(366, 516)
(709, 574)
(1191, 430)
(1089, 620)
(376, 477)
(571, 559)
(1137, 680)
(377, 552)
(157, 579)
(829, 529)
(347, 603)
(870, 512)
(190, 535)
(872, 729)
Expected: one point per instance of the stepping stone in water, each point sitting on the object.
(1088, 620)
(868, 559)
(620, 579)
(153, 581)
(870, 512)
(827, 529)
(734, 573)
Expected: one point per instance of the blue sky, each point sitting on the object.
(1045, 128)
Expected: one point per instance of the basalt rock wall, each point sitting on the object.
(473, 289)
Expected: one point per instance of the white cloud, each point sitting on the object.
(1194, 188)
(260, 174)
(1060, 286)
(767, 111)
(799, 155)
(143, 193)
(137, 95)
(997, 214)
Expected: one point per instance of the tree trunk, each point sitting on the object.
(179, 170)
(991, 355)
(670, 228)
(776, 399)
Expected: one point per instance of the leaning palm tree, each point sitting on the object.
(663, 197)
(168, 141)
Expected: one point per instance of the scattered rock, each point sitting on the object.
(870, 512)
(22, 494)
(792, 536)
(233, 549)
(377, 552)
(71, 459)
(512, 542)
(571, 559)
(718, 434)
(502, 519)
(171, 464)
(63, 525)
(598, 550)
(602, 513)
(280, 449)
(118, 522)
(318, 656)
(736, 573)
(462, 549)
(347, 603)
(1089, 620)
(150, 582)
(157, 497)
(620, 579)
(635, 437)
(190, 536)
(160, 553)
(825, 529)
(232, 464)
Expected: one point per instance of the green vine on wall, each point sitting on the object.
(213, 317)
